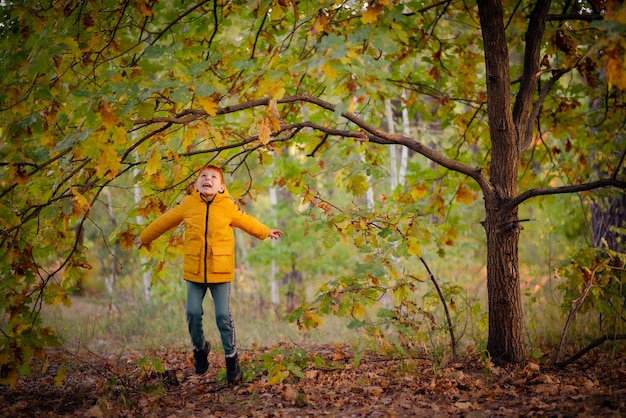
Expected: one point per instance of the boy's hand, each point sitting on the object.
(275, 233)
(142, 245)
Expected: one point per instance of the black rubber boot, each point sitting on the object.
(201, 358)
(233, 372)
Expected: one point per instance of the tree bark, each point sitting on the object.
(506, 321)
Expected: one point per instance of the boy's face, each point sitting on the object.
(209, 182)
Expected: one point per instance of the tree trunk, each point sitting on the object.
(608, 218)
(506, 321)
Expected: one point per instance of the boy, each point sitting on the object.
(209, 215)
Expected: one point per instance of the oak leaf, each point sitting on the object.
(264, 132)
(109, 118)
(154, 163)
(209, 105)
(465, 195)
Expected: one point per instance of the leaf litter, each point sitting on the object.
(374, 386)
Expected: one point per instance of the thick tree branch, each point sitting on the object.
(523, 100)
(575, 188)
(574, 16)
(595, 343)
(556, 75)
(370, 132)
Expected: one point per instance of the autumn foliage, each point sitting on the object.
(108, 107)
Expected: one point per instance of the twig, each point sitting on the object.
(576, 304)
(445, 307)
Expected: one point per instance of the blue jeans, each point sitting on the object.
(193, 307)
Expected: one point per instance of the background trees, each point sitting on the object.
(508, 104)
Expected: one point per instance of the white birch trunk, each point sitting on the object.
(404, 160)
(274, 267)
(393, 154)
(146, 276)
(109, 278)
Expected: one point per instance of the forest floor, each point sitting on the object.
(330, 383)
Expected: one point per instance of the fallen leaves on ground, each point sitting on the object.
(376, 386)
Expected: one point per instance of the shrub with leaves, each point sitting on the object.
(594, 287)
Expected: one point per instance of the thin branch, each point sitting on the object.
(215, 29)
(427, 8)
(619, 165)
(256, 38)
(575, 306)
(178, 19)
(112, 37)
(318, 146)
(443, 302)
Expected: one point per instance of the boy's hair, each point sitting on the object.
(190, 187)
(213, 167)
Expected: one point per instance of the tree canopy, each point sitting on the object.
(510, 101)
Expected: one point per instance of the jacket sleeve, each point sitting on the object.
(163, 223)
(248, 223)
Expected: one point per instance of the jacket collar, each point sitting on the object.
(218, 197)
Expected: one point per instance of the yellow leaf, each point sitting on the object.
(330, 72)
(49, 140)
(159, 179)
(616, 13)
(265, 158)
(615, 69)
(59, 379)
(320, 25)
(80, 199)
(370, 16)
(357, 310)
(127, 239)
(9, 378)
(264, 132)
(108, 163)
(277, 12)
(273, 114)
(413, 246)
(352, 105)
(359, 185)
(276, 376)
(106, 114)
(154, 163)
(144, 8)
(119, 135)
(400, 294)
(418, 191)
(465, 195)
(209, 105)
(189, 136)
(311, 319)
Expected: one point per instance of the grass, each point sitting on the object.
(104, 324)
(107, 324)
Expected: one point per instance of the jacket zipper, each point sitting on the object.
(206, 240)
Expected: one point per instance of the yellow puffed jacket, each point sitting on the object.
(209, 236)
